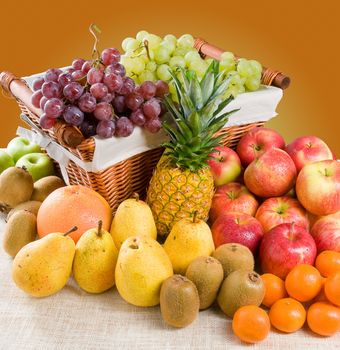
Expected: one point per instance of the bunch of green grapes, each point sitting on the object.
(244, 75)
(148, 57)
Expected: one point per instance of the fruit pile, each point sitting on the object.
(96, 96)
(214, 220)
(148, 57)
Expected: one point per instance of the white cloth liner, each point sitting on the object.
(254, 107)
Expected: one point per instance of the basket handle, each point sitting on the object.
(269, 76)
(67, 135)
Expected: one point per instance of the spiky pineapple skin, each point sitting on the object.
(175, 193)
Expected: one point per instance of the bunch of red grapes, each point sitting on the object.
(97, 97)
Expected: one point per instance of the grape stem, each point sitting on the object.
(94, 30)
(146, 44)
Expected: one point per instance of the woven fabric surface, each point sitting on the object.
(74, 319)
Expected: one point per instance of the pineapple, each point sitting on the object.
(182, 182)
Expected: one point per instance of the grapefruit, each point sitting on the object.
(73, 206)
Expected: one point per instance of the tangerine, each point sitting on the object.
(328, 262)
(323, 318)
(275, 289)
(251, 324)
(303, 282)
(287, 315)
(332, 288)
(73, 206)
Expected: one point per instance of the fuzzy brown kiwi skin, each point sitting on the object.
(234, 256)
(207, 274)
(179, 301)
(43, 187)
(240, 288)
(31, 206)
(20, 230)
(16, 186)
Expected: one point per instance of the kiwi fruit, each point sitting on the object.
(44, 186)
(20, 230)
(234, 256)
(179, 301)
(207, 274)
(31, 206)
(16, 186)
(240, 288)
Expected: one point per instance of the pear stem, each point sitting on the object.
(74, 228)
(136, 196)
(194, 219)
(100, 225)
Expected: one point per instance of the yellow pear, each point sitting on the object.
(141, 268)
(95, 260)
(188, 239)
(43, 267)
(133, 218)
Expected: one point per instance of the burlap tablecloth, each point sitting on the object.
(73, 319)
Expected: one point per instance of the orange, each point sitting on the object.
(275, 289)
(73, 206)
(332, 288)
(323, 318)
(251, 324)
(303, 282)
(328, 262)
(287, 315)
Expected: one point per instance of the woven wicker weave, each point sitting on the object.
(118, 182)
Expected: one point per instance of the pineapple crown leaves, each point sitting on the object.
(196, 118)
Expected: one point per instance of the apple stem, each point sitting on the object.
(99, 230)
(194, 219)
(74, 228)
(231, 195)
(135, 196)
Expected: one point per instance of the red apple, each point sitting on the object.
(326, 232)
(271, 175)
(226, 165)
(256, 142)
(308, 149)
(318, 187)
(237, 228)
(232, 197)
(284, 247)
(279, 210)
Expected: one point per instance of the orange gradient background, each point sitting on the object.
(297, 37)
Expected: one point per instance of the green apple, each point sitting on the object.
(38, 165)
(20, 146)
(6, 161)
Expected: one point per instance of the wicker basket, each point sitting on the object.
(118, 182)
